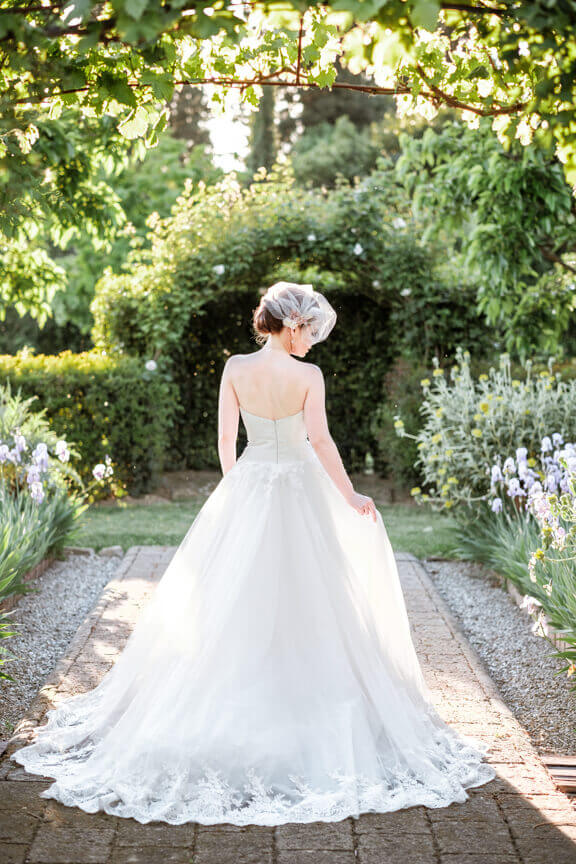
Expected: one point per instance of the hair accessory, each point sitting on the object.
(295, 305)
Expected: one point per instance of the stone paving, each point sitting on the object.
(518, 818)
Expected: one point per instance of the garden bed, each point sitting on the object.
(45, 620)
(520, 662)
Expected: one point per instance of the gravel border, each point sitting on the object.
(521, 664)
(45, 622)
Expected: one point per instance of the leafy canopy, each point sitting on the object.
(513, 61)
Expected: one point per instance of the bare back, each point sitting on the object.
(270, 383)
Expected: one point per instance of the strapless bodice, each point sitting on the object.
(280, 440)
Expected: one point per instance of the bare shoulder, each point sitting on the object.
(315, 372)
(234, 360)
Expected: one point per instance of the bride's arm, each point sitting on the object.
(319, 434)
(228, 415)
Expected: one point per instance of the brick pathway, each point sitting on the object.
(518, 818)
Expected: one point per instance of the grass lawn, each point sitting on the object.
(411, 529)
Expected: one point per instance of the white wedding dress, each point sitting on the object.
(272, 676)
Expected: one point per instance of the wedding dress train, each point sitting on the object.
(272, 676)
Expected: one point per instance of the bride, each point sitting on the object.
(272, 677)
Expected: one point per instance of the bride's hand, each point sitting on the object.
(363, 504)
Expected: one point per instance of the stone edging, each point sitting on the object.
(472, 656)
(23, 731)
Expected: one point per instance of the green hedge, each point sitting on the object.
(187, 299)
(102, 404)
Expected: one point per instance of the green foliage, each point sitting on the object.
(502, 541)
(263, 143)
(325, 152)
(105, 405)
(509, 218)
(468, 424)
(515, 62)
(29, 530)
(188, 296)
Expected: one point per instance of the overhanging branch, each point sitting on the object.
(434, 93)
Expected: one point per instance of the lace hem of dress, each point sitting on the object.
(210, 799)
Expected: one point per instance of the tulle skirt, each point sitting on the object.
(271, 678)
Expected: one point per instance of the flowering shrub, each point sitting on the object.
(468, 423)
(527, 532)
(551, 597)
(41, 495)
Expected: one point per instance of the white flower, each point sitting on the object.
(485, 87)
(496, 505)
(509, 466)
(311, 238)
(99, 471)
(151, 365)
(219, 269)
(531, 604)
(37, 492)
(398, 223)
(62, 451)
(4, 452)
(496, 474)
(20, 442)
(406, 292)
(376, 283)
(33, 475)
(358, 249)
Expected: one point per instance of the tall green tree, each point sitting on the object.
(263, 136)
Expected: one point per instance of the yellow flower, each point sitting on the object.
(425, 497)
(425, 382)
(449, 452)
(436, 438)
(416, 490)
(531, 462)
(439, 412)
(527, 411)
(483, 377)
(478, 417)
(516, 382)
(571, 670)
(398, 424)
(422, 445)
(477, 432)
(452, 480)
(448, 503)
(544, 374)
(485, 407)
(438, 372)
(539, 554)
(445, 489)
(441, 471)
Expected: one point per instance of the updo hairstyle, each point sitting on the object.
(264, 322)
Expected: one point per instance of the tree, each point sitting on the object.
(508, 217)
(263, 145)
(187, 111)
(325, 152)
(512, 61)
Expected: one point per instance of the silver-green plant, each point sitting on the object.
(468, 423)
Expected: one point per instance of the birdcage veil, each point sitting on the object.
(297, 304)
